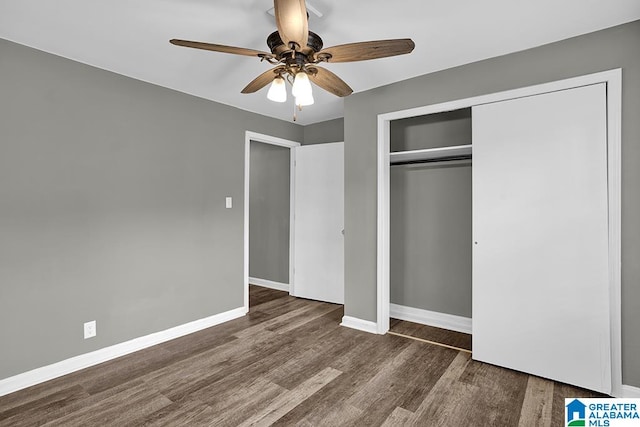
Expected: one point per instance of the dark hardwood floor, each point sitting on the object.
(288, 362)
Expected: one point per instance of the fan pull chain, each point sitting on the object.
(296, 108)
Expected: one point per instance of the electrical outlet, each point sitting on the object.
(90, 329)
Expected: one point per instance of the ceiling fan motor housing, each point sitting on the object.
(277, 46)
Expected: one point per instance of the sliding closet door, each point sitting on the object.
(540, 260)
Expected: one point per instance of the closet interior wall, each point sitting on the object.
(430, 231)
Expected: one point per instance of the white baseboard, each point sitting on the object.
(431, 318)
(269, 284)
(630, 392)
(359, 324)
(64, 367)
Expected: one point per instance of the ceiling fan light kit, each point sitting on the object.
(278, 90)
(296, 52)
(301, 89)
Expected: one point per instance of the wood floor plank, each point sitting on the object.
(367, 353)
(201, 341)
(257, 363)
(385, 382)
(404, 382)
(379, 396)
(265, 352)
(287, 321)
(228, 366)
(329, 415)
(45, 407)
(398, 418)
(538, 401)
(123, 369)
(80, 405)
(503, 392)
(254, 356)
(420, 375)
(291, 399)
(275, 308)
(367, 358)
(37, 393)
(327, 403)
(302, 319)
(436, 407)
(259, 295)
(205, 369)
(234, 406)
(317, 356)
(187, 412)
(125, 407)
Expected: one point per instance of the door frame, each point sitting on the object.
(266, 139)
(613, 80)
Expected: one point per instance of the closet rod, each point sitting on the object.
(457, 152)
(434, 160)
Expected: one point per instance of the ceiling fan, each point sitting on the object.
(297, 52)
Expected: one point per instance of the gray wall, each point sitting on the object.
(269, 212)
(430, 236)
(611, 48)
(112, 207)
(328, 131)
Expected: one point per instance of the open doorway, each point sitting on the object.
(268, 222)
(312, 177)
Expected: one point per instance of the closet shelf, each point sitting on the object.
(456, 152)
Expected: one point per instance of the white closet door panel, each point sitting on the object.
(319, 221)
(540, 260)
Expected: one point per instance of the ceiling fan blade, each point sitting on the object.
(291, 20)
(363, 51)
(263, 79)
(219, 48)
(329, 81)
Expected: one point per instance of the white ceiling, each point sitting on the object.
(131, 37)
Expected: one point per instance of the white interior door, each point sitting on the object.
(319, 222)
(540, 259)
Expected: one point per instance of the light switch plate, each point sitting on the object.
(229, 202)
